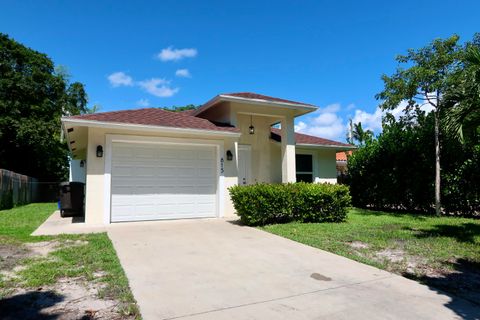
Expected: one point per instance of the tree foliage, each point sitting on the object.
(360, 135)
(397, 170)
(181, 108)
(33, 98)
(463, 96)
(394, 171)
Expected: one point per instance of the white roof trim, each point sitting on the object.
(325, 146)
(133, 126)
(225, 97)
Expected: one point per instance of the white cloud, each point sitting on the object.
(373, 121)
(143, 103)
(327, 123)
(158, 87)
(118, 79)
(183, 73)
(171, 54)
(323, 123)
(370, 121)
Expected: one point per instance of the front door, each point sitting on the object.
(244, 164)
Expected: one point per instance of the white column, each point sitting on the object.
(288, 150)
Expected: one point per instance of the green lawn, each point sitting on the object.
(76, 256)
(441, 251)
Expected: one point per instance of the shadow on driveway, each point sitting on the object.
(462, 284)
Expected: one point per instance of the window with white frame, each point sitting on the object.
(304, 164)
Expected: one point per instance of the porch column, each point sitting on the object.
(288, 150)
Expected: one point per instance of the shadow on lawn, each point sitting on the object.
(29, 305)
(462, 286)
(393, 213)
(465, 232)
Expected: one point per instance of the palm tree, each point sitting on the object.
(463, 99)
(361, 135)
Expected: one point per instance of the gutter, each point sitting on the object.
(142, 127)
(287, 105)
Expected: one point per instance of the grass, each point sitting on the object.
(76, 256)
(18, 223)
(420, 247)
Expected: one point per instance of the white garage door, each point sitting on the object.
(157, 181)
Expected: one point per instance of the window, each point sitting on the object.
(304, 165)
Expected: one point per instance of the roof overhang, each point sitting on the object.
(300, 109)
(68, 122)
(325, 146)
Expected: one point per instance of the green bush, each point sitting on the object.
(261, 204)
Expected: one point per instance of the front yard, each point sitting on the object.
(72, 276)
(442, 252)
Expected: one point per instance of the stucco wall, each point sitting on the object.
(95, 195)
(324, 163)
(261, 146)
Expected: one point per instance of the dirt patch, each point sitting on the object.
(358, 245)
(68, 299)
(10, 254)
(392, 255)
(43, 248)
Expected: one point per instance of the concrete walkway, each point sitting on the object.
(55, 225)
(215, 269)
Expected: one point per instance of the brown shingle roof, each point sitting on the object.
(251, 95)
(301, 138)
(156, 117)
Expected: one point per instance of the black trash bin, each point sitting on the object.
(71, 199)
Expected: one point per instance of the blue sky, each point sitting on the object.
(328, 53)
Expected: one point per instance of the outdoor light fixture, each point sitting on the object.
(99, 151)
(251, 129)
(229, 155)
(82, 163)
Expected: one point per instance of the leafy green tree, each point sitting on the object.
(33, 98)
(423, 78)
(463, 97)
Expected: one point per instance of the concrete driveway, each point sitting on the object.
(215, 269)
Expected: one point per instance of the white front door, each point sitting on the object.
(244, 164)
(162, 181)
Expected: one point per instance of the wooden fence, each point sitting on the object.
(17, 189)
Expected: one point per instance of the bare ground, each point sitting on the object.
(67, 299)
(456, 275)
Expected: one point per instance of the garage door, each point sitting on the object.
(156, 181)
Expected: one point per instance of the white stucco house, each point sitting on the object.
(151, 164)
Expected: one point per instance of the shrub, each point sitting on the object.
(397, 171)
(261, 204)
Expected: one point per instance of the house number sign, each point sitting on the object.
(222, 165)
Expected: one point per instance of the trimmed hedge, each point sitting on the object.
(261, 204)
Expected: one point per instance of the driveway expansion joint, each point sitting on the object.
(280, 298)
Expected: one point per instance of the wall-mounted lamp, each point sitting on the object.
(251, 129)
(99, 151)
(82, 163)
(229, 155)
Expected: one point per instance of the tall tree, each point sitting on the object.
(423, 77)
(33, 98)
